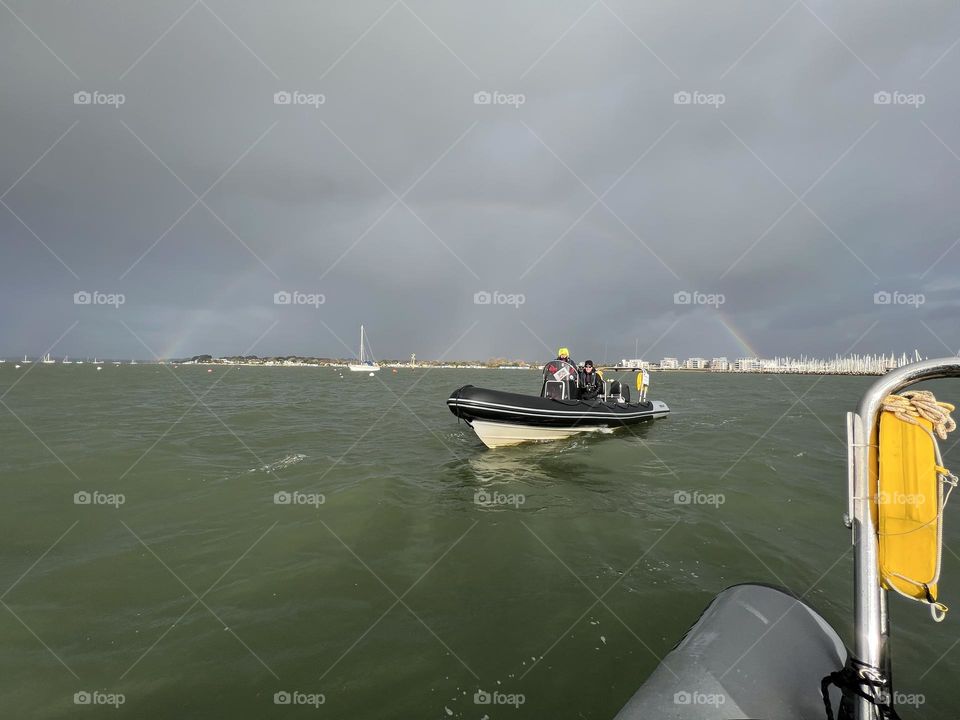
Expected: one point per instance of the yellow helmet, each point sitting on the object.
(563, 352)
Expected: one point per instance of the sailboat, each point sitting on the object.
(363, 364)
(47, 360)
(66, 360)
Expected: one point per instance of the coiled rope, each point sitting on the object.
(922, 404)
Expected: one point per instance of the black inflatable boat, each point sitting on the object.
(506, 418)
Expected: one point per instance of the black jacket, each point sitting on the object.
(591, 384)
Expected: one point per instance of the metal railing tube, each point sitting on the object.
(870, 608)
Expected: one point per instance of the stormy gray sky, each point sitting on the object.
(782, 198)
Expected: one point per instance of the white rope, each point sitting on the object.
(922, 404)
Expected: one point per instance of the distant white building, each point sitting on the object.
(720, 364)
(669, 363)
(635, 363)
(695, 364)
(748, 365)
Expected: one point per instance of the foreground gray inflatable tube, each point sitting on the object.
(756, 652)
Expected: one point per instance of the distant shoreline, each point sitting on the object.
(314, 362)
(428, 365)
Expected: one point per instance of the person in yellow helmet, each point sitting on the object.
(564, 354)
(565, 367)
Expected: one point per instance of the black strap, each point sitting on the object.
(851, 682)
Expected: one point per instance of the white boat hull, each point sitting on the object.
(364, 368)
(494, 434)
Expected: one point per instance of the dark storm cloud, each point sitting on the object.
(597, 199)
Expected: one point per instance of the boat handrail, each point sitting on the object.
(871, 619)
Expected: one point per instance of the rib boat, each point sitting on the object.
(759, 651)
(506, 418)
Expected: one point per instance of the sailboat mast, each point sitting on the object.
(361, 344)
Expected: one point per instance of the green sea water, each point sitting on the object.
(383, 588)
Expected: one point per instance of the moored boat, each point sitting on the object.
(363, 364)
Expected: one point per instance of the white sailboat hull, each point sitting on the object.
(364, 368)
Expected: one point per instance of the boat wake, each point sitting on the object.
(284, 462)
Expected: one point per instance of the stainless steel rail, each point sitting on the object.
(870, 601)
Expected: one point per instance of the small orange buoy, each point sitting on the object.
(394, 371)
(209, 369)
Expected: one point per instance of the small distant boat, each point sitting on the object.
(66, 360)
(363, 364)
(47, 360)
(133, 362)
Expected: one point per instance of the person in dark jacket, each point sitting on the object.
(591, 382)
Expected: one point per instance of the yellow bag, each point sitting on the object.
(910, 502)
